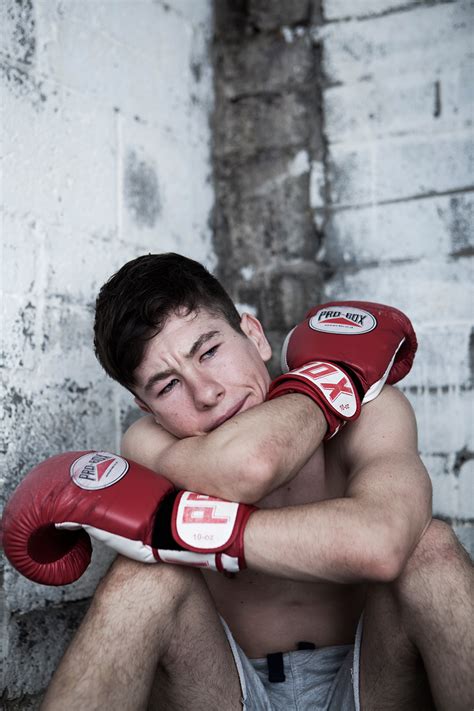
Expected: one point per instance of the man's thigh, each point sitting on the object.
(416, 641)
(143, 619)
(198, 670)
(392, 675)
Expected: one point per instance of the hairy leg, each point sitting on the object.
(141, 618)
(392, 675)
(197, 671)
(418, 639)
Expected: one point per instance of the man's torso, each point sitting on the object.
(268, 614)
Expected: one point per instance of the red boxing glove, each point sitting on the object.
(64, 500)
(343, 354)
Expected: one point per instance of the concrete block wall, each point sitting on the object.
(267, 144)
(398, 108)
(106, 155)
(357, 118)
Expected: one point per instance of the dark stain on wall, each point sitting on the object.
(22, 84)
(19, 54)
(17, 406)
(464, 455)
(28, 317)
(56, 418)
(471, 354)
(141, 191)
(437, 99)
(196, 71)
(21, 21)
(13, 399)
(460, 225)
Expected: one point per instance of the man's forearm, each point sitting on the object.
(338, 540)
(250, 455)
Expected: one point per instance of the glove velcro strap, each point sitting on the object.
(218, 562)
(187, 558)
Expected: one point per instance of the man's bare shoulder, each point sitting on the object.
(389, 417)
(145, 440)
(386, 424)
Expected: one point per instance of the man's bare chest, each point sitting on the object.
(320, 479)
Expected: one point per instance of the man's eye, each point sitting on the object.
(208, 354)
(168, 387)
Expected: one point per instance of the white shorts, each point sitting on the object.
(324, 679)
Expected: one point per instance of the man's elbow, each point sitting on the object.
(253, 481)
(393, 560)
(393, 541)
(384, 569)
(386, 557)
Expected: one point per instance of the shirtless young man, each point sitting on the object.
(343, 528)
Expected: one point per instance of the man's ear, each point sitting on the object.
(253, 329)
(142, 405)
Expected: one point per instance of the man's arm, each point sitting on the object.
(244, 459)
(371, 532)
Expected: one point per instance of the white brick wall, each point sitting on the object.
(420, 36)
(106, 155)
(399, 107)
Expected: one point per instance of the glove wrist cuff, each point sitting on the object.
(328, 385)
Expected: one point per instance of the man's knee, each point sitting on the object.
(439, 564)
(438, 550)
(129, 581)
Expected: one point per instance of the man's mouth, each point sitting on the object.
(230, 413)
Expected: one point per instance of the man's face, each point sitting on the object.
(198, 372)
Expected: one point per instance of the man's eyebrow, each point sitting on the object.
(203, 338)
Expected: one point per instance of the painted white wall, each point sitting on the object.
(106, 156)
(398, 114)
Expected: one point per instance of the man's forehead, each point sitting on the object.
(192, 320)
(184, 331)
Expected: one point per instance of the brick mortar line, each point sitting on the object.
(354, 268)
(458, 128)
(390, 11)
(334, 207)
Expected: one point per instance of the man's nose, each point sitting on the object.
(207, 392)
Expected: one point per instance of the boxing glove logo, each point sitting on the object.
(346, 320)
(98, 470)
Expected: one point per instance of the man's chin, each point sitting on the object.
(254, 400)
(248, 404)
(186, 435)
(176, 433)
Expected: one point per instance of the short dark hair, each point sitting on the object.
(134, 304)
